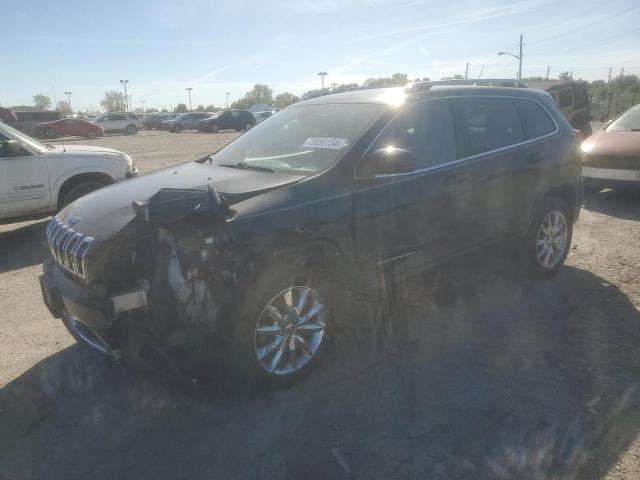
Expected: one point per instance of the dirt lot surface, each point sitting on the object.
(477, 372)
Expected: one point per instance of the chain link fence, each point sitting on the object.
(612, 104)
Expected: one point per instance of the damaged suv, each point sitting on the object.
(237, 259)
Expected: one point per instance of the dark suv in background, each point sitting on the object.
(237, 120)
(237, 259)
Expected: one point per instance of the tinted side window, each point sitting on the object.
(565, 97)
(426, 130)
(116, 117)
(535, 119)
(487, 123)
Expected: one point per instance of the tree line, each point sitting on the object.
(622, 92)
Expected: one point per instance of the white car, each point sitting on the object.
(119, 123)
(38, 179)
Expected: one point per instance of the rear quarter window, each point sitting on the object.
(487, 123)
(565, 97)
(535, 120)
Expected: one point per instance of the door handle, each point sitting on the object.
(456, 178)
(535, 157)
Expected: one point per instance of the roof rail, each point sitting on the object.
(471, 82)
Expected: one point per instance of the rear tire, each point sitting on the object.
(91, 135)
(131, 130)
(50, 133)
(214, 128)
(78, 191)
(548, 239)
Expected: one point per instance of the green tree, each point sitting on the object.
(41, 102)
(285, 99)
(200, 108)
(181, 108)
(63, 108)
(564, 76)
(397, 79)
(114, 101)
(259, 94)
(211, 108)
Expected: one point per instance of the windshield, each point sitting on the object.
(627, 122)
(303, 139)
(27, 140)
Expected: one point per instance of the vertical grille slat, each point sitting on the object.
(70, 249)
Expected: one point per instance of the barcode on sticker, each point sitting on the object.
(332, 143)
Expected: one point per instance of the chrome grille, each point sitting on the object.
(68, 247)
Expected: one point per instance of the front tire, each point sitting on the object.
(177, 128)
(50, 133)
(278, 335)
(91, 135)
(549, 237)
(131, 130)
(78, 191)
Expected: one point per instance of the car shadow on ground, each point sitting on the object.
(619, 203)
(475, 373)
(23, 247)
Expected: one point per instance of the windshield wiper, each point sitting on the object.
(247, 166)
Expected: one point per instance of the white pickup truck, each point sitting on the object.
(38, 179)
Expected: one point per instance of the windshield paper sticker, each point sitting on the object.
(332, 143)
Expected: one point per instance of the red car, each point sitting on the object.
(71, 126)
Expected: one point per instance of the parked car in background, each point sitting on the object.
(7, 115)
(185, 121)
(28, 122)
(261, 107)
(611, 156)
(39, 179)
(238, 120)
(128, 123)
(260, 116)
(70, 126)
(234, 263)
(154, 121)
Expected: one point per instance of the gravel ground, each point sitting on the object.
(477, 372)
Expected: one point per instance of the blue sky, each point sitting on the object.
(217, 46)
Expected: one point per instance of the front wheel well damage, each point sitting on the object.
(79, 179)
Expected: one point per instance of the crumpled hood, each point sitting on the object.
(104, 212)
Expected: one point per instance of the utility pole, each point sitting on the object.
(548, 67)
(227, 100)
(622, 72)
(571, 75)
(68, 94)
(322, 75)
(142, 103)
(481, 70)
(188, 89)
(126, 98)
(55, 100)
(466, 71)
(520, 60)
(609, 79)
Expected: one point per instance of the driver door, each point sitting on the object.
(24, 182)
(420, 215)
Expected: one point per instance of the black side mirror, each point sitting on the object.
(388, 161)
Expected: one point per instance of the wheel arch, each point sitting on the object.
(79, 178)
(565, 192)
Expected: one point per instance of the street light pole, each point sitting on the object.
(322, 75)
(188, 89)
(227, 100)
(68, 94)
(126, 98)
(517, 57)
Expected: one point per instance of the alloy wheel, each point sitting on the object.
(552, 239)
(289, 330)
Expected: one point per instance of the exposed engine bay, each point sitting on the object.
(182, 272)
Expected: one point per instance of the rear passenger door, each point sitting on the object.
(503, 162)
(416, 217)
